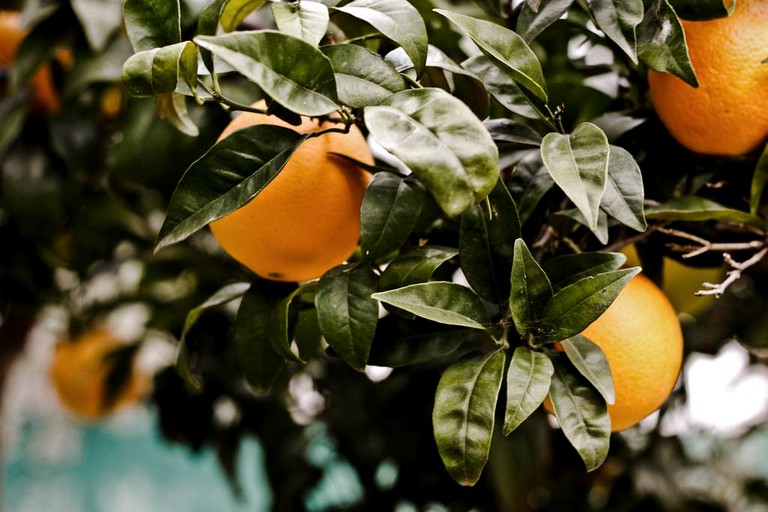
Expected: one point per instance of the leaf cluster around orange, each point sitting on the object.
(307, 220)
(728, 113)
(641, 338)
(79, 373)
(45, 98)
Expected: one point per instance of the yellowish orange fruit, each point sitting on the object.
(307, 220)
(728, 113)
(641, 338)
(45, 98)
(79, 372)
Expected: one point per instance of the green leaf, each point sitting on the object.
(152, 23)
(161, 70)
(295, 74)
(579, 165)
(99, 19)
(581, 412)
(13, 113)
(575, 307)
(702, 10)
(533, 21)
(441, 141)
(600, 231)
(440, 301)
(415, 266)
(183, 363)
(307, 334)
(463, 416)
(568, 269)
(502, 87)
(614, 17)
(661, 42)
(256, 356)
(528, 380)
(505, 49)
(347, 314)
(283, 318)
(172, 108)
(616, 124)
(225, 178)
(397, 20)
(512, 132)
(362, 77)
(759, 180)
(208, 25)
(697, 209)
(530, 288)
(305, 20)
(529, 183)
(624, 194)
(591, 362)
(233, 12)
(486, 244)
(390, 210)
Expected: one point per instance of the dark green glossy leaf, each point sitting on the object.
(362, 77)
(390, 210)
(512, 132)
(347, 313)
(701, 10)
(581, 412)
(208, 25)
(152, 23)
(568, 269)
(528, 184)
(759, 180)
(575, 307)
(528, 380)
(172, 108)
(283, 318)
(228, 176)
(256, 356)
(415, 266)
(503, 88)
(624, 193)
(696, 209)
(617, 18)
(306, 19)
(486, 244)
(661, 42)
(233, 12)
(591, 362)
(397, 20)
(600, 231)
(616, 124)
(307, 334)
(443, 143)
(534, 20)
(295, 74)
(578, 163)
(161, 70)
(530, 288)
(440, 301)
(183, 359)
(463, 416)
(505, 49)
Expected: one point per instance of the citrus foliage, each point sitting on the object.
(512, 168)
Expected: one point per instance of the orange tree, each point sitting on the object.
(517, 152)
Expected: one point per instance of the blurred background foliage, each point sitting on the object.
(83, 191)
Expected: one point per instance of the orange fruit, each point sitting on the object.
(728, 113)
(642, 340)
(45, 99)
(307, 220)
(79, 371)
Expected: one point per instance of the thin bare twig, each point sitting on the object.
(705, 245)
(732, 275)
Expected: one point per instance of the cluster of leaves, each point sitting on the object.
(474, 190)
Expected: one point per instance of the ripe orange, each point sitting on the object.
(307, 220)
(45, 99)
(728, 113)
(641, 338)
(79, 371)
